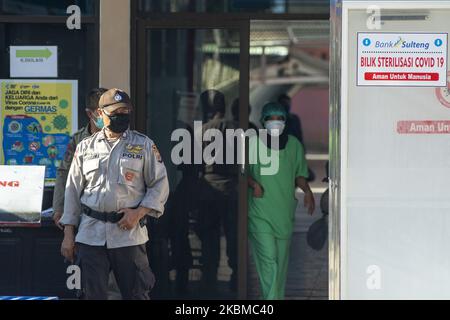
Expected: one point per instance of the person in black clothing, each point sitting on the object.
(182, 205)
(218, 192)
(294, 126)
(293, 123)
(235, 113)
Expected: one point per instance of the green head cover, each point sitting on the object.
(272, 109)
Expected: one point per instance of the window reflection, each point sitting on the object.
(218, 6)
(45, 7)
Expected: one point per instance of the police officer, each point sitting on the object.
(94, 125)
(117, 177)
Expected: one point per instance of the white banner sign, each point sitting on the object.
(394, 152)
(402, 59)
(33, 61)
(21, 192)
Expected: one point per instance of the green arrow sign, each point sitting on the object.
(38, 53)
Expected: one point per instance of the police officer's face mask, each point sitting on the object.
(119, 122)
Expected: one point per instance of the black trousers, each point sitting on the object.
(131, 269)
(182, 203)
(218, 207)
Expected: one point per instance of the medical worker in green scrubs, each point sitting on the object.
(272, 201)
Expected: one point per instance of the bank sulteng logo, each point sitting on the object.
(9, 184)
(399, 44)
(378, 44)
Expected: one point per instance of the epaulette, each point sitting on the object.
(90, 137)
(144, 136)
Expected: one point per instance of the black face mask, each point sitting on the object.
(119, 122)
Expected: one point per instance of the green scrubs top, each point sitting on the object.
(274, 213)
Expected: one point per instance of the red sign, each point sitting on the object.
(424, 127)
(12, 184)
(402, 76)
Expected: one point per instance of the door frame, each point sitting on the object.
(140, 81)
(184, 20)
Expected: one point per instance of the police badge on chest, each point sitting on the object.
(133, 151)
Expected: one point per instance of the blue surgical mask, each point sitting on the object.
(99, 122)
(275, 127)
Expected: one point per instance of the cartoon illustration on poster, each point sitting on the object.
(38, 117)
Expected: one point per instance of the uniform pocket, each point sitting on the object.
(130, 172)
(92, 173)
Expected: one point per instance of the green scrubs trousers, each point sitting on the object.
(271, 256)
(271, 218)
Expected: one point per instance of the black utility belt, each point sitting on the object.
(112, 217)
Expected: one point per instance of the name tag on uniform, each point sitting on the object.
(90, 156)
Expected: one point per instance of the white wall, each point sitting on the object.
(395, 187)
(115, 44)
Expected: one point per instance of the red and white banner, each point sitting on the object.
(21, 193)
(402, 59)
(423, 127)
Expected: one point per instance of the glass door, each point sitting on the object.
(192, 85)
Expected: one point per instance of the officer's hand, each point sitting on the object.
(258, 190)
(130, 218)
(68, 245)
(56, 217)
(309, 202)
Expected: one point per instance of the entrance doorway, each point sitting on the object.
(289, 60)
(198, 249)
(189, 77)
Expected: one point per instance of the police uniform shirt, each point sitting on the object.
(106, 179)
(63, 169)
